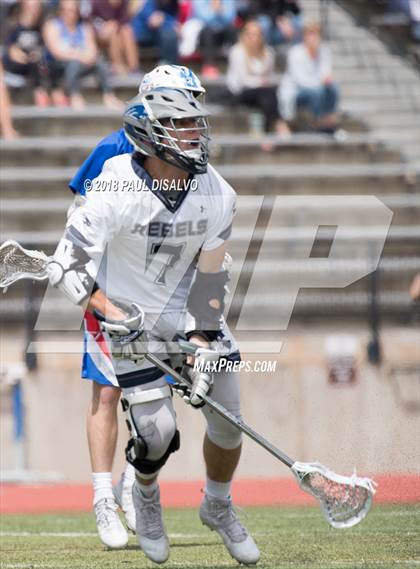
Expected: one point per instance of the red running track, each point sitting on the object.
(24, 498)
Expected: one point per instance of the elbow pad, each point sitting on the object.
(72, 271)
(202, 318)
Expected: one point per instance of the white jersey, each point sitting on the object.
(151, 242)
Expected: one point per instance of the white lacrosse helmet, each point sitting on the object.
(171, 77)
(171, 124)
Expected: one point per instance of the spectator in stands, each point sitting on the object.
(155, 24)
(189, 29)
(250, 77)
(24, 50)
(73, 54)
(279, 19)
(218, 18)
(308, 83)
(111, 22)
(411, 8)
(8, 132)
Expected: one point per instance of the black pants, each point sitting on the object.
(34, 71)
(211, 40)
(265, 100)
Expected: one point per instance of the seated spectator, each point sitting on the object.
(308, 83)
(24, 54)
(218, 18)
(73, 54)
(155, 25)
(280, 20)
(8, 132)
(189, 30)
(411, 8)
(250, 77)
(111, 22)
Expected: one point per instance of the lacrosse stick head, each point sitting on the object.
(17, 263)
(345, 500)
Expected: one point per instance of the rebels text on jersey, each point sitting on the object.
(151, 238)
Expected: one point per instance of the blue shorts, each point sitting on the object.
(97, 363)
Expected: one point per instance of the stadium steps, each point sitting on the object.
(254, 179)
(378, 90)
(281, 242)
(32, 215)
(95, 120)
(314, 302)
(393, 79)
(225, 149)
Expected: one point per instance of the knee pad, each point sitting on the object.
(150, 444)
(136, 452)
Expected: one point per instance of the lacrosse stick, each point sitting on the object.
(18, 263)
(345, 500)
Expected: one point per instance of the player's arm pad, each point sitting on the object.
(72, 271)
(202, 318)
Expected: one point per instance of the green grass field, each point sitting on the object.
(288, 537)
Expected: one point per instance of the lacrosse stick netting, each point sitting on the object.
(17, 263)
(345, 500)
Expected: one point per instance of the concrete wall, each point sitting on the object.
(365, 424)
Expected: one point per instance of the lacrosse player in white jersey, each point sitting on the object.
(145, 253)
(102, 424)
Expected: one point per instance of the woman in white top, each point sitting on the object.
(250, 76)
(308, 81)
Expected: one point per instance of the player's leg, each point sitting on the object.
(152, 418)
(222, 449)
(102, 431)
(130, 48)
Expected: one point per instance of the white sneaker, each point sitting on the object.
(150, 530)
(123, 494)
(219, 515)
(111, 531)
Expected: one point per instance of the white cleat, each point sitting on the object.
(111, 531)
(123, 494)
(219, 515)
(150, 530)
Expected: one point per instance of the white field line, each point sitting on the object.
(331, 564)
(84, 534)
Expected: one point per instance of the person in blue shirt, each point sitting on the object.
(155, 24)
(218, 18)
(96, 366)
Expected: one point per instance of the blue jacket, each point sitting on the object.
(140, 21)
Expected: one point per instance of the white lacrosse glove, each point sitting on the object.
(202, 375)
(127, 337)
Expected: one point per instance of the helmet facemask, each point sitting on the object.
(172, 125)
(180, 144)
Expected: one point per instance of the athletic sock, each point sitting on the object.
(215, 489)
(147, 490)
(102, 486)
(129, 475)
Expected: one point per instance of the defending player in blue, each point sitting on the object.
(164, 246)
